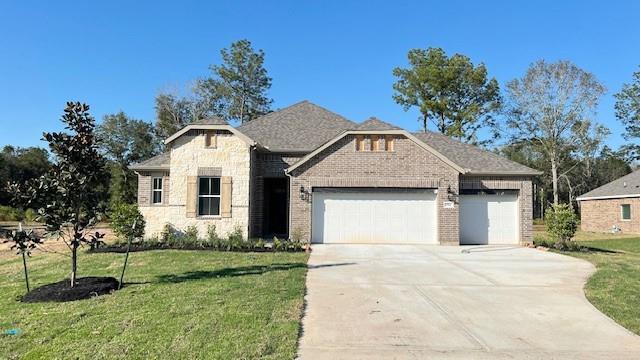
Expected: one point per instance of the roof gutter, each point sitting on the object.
(581, 198)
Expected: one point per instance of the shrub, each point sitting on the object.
(561, 222)
(278, 244)
(168, 234)
(214, 240)
(260, 244)
(190, 235)
(30, 215)
(8, 213)
(122, 218)
(297, 240)
(235, 239)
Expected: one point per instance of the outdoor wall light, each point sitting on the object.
(303, 193)
(451, 195)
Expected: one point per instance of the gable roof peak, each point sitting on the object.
(373, 123)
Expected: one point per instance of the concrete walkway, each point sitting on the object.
(440, 302)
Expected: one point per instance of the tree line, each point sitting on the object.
(545, 119)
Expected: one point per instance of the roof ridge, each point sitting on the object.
(265, 116)
(612, 182)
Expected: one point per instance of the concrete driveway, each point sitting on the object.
(419, 302)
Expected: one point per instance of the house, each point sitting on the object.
(309, 170)
(612, 206)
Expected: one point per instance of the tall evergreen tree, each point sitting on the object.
(455, 95)
(237, 89)
(628, 112)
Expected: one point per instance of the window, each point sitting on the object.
(625, 209)
(209, 196)
(388, 143)
(157, 190)
(375, 143)
(210, 139)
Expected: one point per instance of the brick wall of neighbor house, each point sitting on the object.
(409, 165)
(602, 215)
(525, 197)
(265, 165)
(231, 157)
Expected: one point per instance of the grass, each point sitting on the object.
(615, 287)
(178, 305)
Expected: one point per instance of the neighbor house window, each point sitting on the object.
(157, 190)
(209, 196)
(625, 209)
(210, 139)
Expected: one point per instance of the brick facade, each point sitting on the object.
(339, 165)
(601, 215)
(408, 166)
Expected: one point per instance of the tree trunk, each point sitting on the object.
(554, 177)
(74, 263)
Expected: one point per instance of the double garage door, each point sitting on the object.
(361, 216)
(409, 217)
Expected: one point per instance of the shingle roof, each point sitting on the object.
(157, 162)
(375, 124)
(472, 158)
(626, 186)
(213, 120)
(301, 127)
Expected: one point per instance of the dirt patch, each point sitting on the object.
(86, 287)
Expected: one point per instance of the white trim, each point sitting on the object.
(376, 132)
(154, 190)
(219, 196)
(229, 128)
(580, 198)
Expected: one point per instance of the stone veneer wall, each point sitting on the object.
(188, 153)
(601, 215)
(408, 166)
(265, 165)
(525, 197)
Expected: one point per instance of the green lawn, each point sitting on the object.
(180, 305)
(615, 288)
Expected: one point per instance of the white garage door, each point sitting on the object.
(489, 219)
(374, 217)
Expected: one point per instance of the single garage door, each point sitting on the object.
(489, 218)
(367, 216)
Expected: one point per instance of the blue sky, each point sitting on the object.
(339, 54)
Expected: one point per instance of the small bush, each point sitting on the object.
(122, 218)
(561, 222)
(191, 235)
(8, 213)
(260, 244)
(214, 240)
(235, 239)
(168, 234)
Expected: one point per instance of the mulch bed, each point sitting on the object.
(86, 287)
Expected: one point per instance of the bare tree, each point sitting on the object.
(551, 106)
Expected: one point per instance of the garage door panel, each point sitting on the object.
(489, 219)
(374, 217)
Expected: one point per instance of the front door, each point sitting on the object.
(276, 207)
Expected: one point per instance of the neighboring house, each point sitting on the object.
(613, 205)
(308, 170)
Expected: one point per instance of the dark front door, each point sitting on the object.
(276, 207)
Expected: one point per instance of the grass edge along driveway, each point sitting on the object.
(614, 288)
(178, 305)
